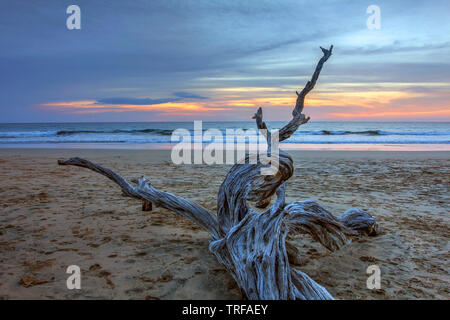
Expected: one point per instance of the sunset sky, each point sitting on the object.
(220, 60)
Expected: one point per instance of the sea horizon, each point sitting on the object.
(315, 135)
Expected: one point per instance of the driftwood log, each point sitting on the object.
(250, 243)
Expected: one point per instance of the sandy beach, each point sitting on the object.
(52, 217)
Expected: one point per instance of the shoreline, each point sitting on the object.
(285, 146)
(165, 154)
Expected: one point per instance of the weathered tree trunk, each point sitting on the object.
(251, 244)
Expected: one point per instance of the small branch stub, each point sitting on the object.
(146, 206)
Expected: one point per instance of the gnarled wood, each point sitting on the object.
(249, 243)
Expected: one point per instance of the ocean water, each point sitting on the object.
(313, 135)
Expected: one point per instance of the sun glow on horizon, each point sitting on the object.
(328, 103)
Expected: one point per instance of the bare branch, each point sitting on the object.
(127, 188)
(309, 217)
(145, 191)
(310, 84)
(297, 117)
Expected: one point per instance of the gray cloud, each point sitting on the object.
(188, 95)
(167, 44)
(180, 95)
(395, 47)
(135, 101)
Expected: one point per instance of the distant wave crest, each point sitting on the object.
(157, 131)
(373, 133)
(385, 133)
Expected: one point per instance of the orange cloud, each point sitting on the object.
(362, 103)
(91, 106)
(387, 114)
(70, 104)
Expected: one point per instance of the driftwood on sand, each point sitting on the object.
(250, 241)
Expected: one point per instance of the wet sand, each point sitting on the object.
(52, 217)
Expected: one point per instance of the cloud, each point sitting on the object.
(188, 95)
(135, 101)
(204, 47)
(180, 96)
(394, 48)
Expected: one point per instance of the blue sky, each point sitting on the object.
(220, 60)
